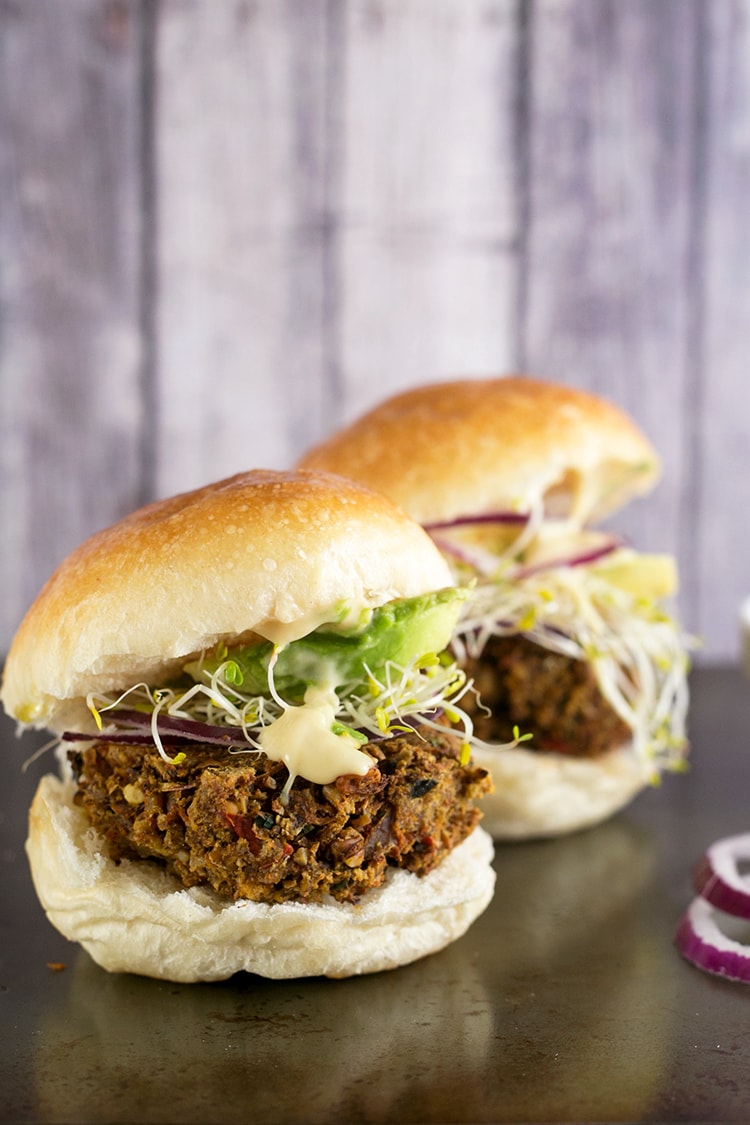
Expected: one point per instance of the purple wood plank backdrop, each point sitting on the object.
(227, 228)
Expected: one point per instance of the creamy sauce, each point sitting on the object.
(282, 633)
(302, 739)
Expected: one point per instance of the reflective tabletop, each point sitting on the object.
(565, 1002)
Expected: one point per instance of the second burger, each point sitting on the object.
(566, 633)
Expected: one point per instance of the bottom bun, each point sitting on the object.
(541, 794)
(134, 917)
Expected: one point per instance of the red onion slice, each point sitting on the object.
(484, 562)
(701, 941)
(136, 731)
(591, 555)
(135, 727)
(215, 737)
(488, 517)
(716, 876)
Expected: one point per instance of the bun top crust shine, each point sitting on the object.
(263, 552)
(477, 446)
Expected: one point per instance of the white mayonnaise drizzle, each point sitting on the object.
(282, 633)
(302, 739)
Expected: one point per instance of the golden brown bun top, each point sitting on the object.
(265, 552)
(485, 445)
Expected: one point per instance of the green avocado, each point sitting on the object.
(400, 631)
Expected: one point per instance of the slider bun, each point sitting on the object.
(541, 794)
(258, 553)
(134, 917)
(484, 445)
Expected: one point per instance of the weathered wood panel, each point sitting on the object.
(427, 210)
(225, 228)
(70, 384)
(242, 231)
(720, 435)
(613, 93)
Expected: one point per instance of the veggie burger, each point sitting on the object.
(565, 634)
(264, 755)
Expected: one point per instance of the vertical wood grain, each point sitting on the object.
(611, 205)
(69, 282)
(240, 151)
(427, 200)
(721, 434)
(227, 227)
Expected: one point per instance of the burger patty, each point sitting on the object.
(217, 819)
(553, 697)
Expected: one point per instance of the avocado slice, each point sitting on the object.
(400, 631)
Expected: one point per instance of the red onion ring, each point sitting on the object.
(702, 943)
(717, 879)
(720, 889)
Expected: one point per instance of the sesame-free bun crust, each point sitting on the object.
(262, 552)
(476, 446)
(134, 917)
(540, 795)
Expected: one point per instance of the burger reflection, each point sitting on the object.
(388, 1045)
(546, 1006)
(580, 974)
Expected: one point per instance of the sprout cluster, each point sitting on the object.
(377, 706)
(635, 649)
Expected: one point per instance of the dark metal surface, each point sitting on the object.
(566, 1002)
